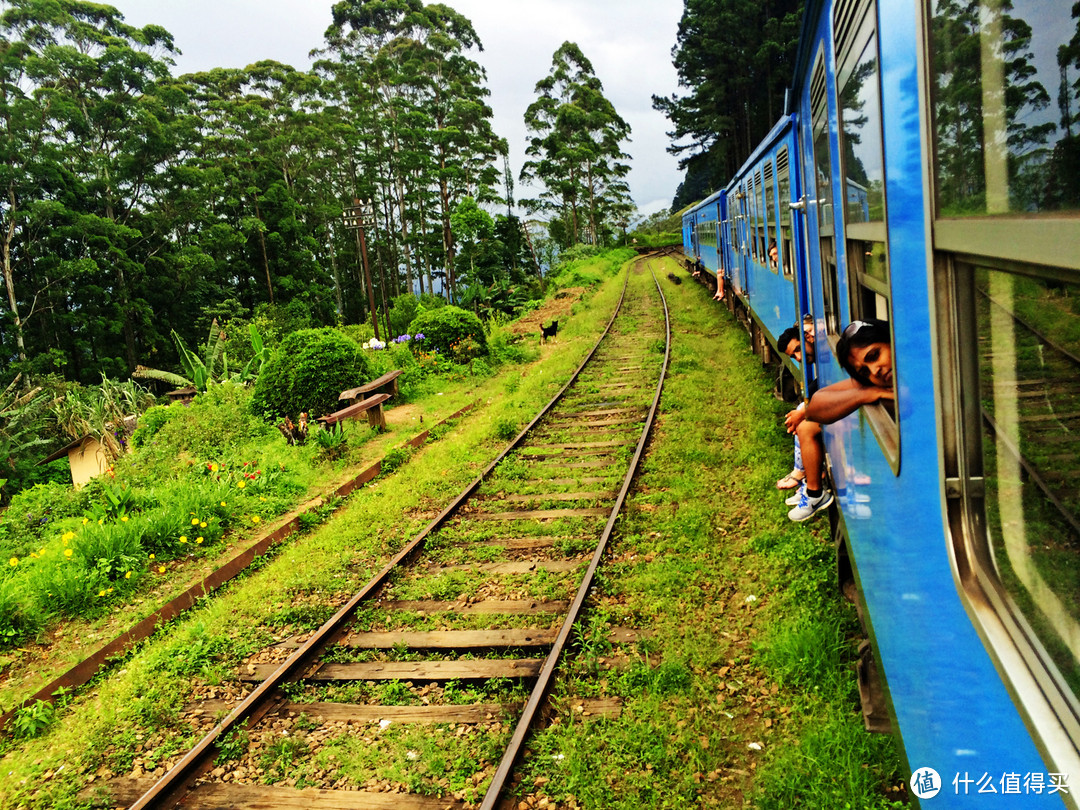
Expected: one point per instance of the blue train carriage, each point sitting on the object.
(959, 507)
(767, 250)
(701, 234)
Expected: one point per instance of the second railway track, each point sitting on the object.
(466, 625)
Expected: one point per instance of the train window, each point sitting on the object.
(864, 177)
(1020, 340)
(865, 247)
(784, 241)
(733, 214)
(752, 222)
(823, 184)
(1002, 144)
(718, 237)
(772, 251)
(759, 219)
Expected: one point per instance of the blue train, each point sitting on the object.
(923, 176)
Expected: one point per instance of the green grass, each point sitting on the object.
(743, 684)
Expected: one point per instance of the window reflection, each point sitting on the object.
(1002, 143)
(860, 117)
(1029, 368)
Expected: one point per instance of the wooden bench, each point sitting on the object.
(387, 383)
(372, 406)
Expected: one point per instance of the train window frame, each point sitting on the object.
(771, 217)
(744, 207)
(821, 182)
(752, 219)
(1039, 687)
(733, 216)
(759, 218)
(869, 295)
(785, 244)
(718, 234)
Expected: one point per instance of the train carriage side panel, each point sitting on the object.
(953, 711)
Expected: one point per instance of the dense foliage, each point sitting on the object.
(308, 371)
(138, 203)
(451, 331)
(736, 59)
(576, 152)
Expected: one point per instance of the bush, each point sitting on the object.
(451, 331)
(217, 421)
(307, 372)
(150, 423)
(405, 308)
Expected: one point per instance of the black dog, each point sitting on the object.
(548, 331)
(674, 279)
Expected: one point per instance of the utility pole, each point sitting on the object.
(353, 219)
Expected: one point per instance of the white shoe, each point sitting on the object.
(808, 507)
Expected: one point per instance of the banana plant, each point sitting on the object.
(200, 372)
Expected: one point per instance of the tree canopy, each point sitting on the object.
(735, 59)
(136, 203)
(576, 152)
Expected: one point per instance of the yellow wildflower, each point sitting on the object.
(85, 520)
(256, 519)
(161, 569)
(123, 518)
(101, 592)
(67, 536)
(127, 575)
(198, 541)
(202, 525)
(241, 484)
(223, 503)
(194, 521)
(13, 561)
(151, 556)
(68, 552)
(183, 538)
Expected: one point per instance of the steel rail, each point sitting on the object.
(171, 786)
(547, 671)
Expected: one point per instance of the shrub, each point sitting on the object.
(451, 331)
(34, 512)
(308, 371)
(219, 419)
(150, 423)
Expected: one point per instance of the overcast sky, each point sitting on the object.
(628, 42)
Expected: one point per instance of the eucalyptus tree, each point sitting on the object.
(734, 59)
(107, 136)
(433, 129)
(576, 149)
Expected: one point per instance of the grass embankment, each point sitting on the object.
(744, 693)
(132, 719)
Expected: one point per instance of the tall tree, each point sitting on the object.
(576, 149)
(735, 58)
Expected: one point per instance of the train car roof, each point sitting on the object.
(710, 199)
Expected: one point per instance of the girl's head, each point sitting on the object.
(865, 352)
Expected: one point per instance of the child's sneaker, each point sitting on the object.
(793, 500)
(808, 507)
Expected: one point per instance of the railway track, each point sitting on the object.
(461, 634)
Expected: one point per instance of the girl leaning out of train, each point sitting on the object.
(865, 352)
